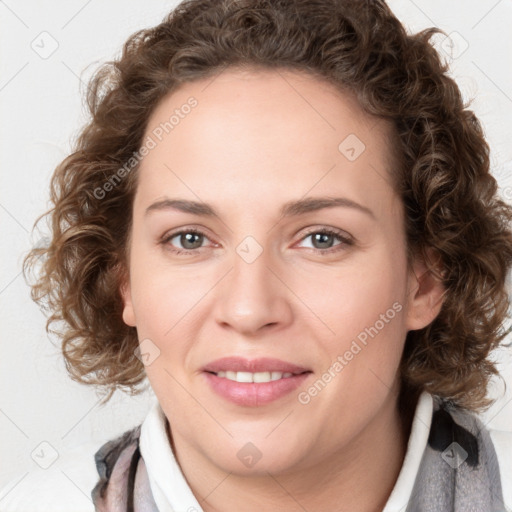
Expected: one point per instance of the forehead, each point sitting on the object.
(257, 130)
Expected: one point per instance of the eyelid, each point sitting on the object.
(327, 229)
(168, 236)
(344, 237)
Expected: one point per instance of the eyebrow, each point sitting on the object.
(289, 209)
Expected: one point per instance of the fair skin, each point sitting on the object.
(252, 144)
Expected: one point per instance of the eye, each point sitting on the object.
(323, 240)
(190, 240)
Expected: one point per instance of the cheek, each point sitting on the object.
(162, 295)
(355, 297)
(363, 306)
(362, 357)
(170, 308)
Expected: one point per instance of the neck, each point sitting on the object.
(356, 477)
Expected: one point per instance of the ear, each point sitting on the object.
(425, 292)
(126, 295)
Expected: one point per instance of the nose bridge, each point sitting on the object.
(252, 296)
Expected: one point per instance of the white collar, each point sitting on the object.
(172, 493)
(420, 429)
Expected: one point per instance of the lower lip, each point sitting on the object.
(254, 393)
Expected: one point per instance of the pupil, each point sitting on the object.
(188, 239)
(323, 238)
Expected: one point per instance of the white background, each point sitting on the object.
(41, 102)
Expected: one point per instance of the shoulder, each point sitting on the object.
(469, 443)
(463, 462)
(502, 441)
(113, 462)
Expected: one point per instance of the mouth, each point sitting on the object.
(253, 382)
(256, 376)
(261, 365)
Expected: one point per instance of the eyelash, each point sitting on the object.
(325, 231)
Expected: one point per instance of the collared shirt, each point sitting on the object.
(163, 468)
(452, 463)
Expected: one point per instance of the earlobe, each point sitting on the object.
(128, 312)
(426, 291)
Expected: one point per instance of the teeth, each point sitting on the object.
(253, 377)
(243, 377)
(261, 377)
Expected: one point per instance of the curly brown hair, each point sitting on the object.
(443, 177)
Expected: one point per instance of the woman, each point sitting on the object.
(282, 214)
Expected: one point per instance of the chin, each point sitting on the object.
(258, 457)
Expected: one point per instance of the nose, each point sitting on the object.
(253, 297)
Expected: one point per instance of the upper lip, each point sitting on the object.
(262, 364)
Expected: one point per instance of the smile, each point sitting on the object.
(253, 382)
(253, 377)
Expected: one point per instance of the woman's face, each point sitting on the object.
(300, 270)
